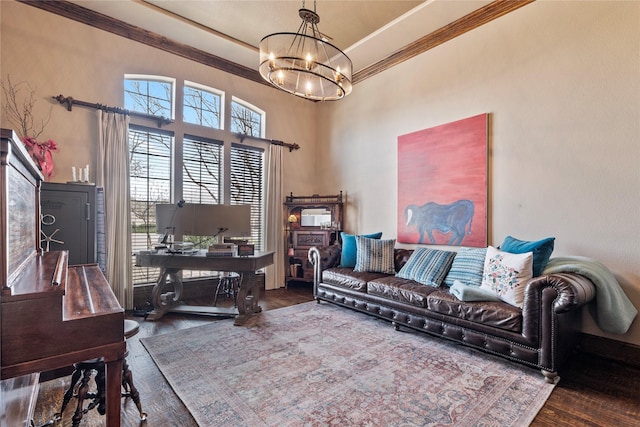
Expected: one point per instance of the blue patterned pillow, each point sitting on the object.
(349, 249)
(541, 251)
(375, 255)
(427, 266)
(467, 267)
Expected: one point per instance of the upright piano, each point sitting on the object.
(51, 314)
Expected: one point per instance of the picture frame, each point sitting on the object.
(246, 250)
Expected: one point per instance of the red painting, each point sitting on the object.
(442, 184)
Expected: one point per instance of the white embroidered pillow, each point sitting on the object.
(506, 274)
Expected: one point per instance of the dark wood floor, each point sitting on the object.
(592, 392)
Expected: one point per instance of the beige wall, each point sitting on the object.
(561, 81)
(58, 56)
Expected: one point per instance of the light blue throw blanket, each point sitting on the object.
(468, 293)
(614, 311)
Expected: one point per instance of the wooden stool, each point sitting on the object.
(97, 399)
(228, 285)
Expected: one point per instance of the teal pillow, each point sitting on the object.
(467, 267)
(349, 248)
(427, 266)
(541, 249)
(375, 255)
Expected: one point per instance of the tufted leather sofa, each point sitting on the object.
(541, 334)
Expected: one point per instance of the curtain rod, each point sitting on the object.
(71, 102)
(243, 136)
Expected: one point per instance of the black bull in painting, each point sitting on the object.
(452, 218)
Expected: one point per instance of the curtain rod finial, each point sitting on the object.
(64, 100)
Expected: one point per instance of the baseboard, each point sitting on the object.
(619, 351)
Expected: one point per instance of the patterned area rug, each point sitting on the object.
(318, 365)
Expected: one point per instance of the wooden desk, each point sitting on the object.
(167, 292)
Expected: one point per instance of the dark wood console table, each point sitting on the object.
(167, 292)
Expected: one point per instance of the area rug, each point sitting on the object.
(322, 365)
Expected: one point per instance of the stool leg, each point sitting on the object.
(69, 393)
(82, 393)
(235, 284)
(130, 389)
(215, 298)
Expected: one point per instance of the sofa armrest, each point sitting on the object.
(551, 316)
(323, 257)
(570, 291)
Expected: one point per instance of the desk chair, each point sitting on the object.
(97, 399)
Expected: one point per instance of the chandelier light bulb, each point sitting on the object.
(307, 61)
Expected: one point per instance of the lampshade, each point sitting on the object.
(305, 63)
(293, 218)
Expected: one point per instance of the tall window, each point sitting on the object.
(202, 168)
(247, 170)
(197, 165)
(151, 163)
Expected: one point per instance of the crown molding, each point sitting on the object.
(97, 20)
(463, 25)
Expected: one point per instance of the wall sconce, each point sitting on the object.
(292, 219)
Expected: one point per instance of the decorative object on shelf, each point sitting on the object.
(41, 153)
(305, 63)
(80, 174)
(18, 110)
(49, 219)
(246, 250)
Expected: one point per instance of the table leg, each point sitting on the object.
(248, 298)
(166, 293)
(114, 383)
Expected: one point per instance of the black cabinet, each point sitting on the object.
(68, 220)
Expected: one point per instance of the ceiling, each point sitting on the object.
(367, 31)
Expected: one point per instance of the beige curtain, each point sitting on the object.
(274, 239)
(113, 176)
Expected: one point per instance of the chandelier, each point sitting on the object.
(305, 63)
